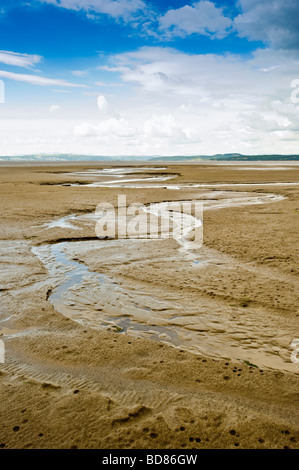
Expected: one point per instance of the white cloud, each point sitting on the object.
(164, 126)
(109, 129)
(37, 80)
(209, 80)
(264, 122)
(134, 136)
(119, 129)
(124, 9)
(19, 60)
(163, 72)
(202, 17)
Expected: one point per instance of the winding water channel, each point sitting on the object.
(98, 300)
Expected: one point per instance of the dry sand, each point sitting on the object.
(65, 384)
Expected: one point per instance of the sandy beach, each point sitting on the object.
(143, 344)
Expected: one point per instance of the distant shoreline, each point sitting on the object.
(196, 159)
(24, 162)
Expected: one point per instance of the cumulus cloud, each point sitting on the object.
(234, 81)
(19, 60)
(271, 21)
(110, 128)
(202, 17)
(163, 126)
(274, 22)
(38, 80)
(264, 122)
(119, 129)
(135, 135)
(206, 77)
(218, 102)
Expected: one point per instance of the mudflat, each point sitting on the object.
(134, 343)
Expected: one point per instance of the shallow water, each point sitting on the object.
(96, 300)
(118, 174)
(149, 182)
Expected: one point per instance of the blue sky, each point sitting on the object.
(129, 77)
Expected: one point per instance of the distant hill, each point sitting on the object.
(174, 158)
(228, 157)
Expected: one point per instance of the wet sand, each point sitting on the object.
(158, 347)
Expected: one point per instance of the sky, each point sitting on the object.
(149, 78)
